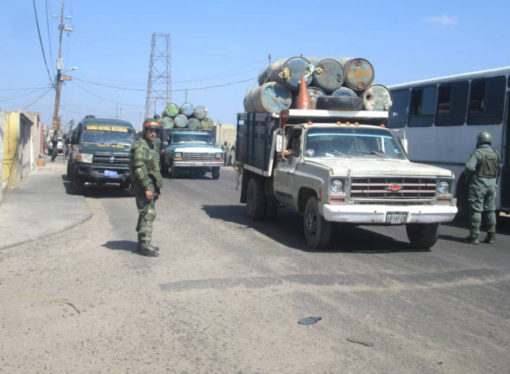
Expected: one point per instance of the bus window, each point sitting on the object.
(452, 104)
(486, 101)
(423, 106)
(397, 116)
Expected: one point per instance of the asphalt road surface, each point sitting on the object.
(226, 294)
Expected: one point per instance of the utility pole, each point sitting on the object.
(60, 65)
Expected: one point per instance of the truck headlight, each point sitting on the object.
(85, 157)
(443, 187)
(178, 155)
(218, 155)
(337, 185)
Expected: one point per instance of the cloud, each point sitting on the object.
(443, 20)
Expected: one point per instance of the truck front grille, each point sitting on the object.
(111, 159)
(192, 156)
(395, 190)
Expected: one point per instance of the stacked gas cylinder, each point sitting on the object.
(186, 116)
(333, 83)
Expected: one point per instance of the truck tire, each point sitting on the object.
(215, 172)
(339, 103)
(174, 173)
(422, 235)
(317, 229)
(271, 210)
(76, 185)
(255, 199)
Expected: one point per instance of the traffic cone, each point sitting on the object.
(303, 97)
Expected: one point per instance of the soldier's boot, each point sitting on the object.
(473, 239)
(147, 250)
(490, 238)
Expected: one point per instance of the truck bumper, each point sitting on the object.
(94, 173)
(385, 214)
(197, 164)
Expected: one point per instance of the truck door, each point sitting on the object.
(285, 170)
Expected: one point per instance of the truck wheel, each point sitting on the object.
(255, 199)
(68, 171)
(317, 229)
(76, 185)
(422, 235)
(215, 172)
(271, 210)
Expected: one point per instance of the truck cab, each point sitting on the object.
(192, 152)
(346, 167)
(100, 152)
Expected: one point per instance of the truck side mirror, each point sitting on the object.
(279, 143)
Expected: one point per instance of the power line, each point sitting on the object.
(23, 95)
(39, 98)
(40, 41)
(24, 89)
(178, 90)
(104, 98)
(48, 30)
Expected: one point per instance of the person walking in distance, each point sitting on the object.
(481, 171)
(54, 146)
(147, 181)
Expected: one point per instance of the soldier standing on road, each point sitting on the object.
(147, 182)
(482, 170)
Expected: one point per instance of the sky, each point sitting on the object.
(218, 48)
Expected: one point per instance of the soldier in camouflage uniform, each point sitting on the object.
(482, 170)
(147, 181)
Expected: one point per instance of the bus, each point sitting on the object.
(442, 117)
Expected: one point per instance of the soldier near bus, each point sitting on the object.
(482, 170)
(147, 182)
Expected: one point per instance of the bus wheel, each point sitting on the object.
(255, 199)
(317, 229)
(422, 235)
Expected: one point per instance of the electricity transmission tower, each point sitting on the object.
(159, 84)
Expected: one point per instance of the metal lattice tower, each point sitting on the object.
(159, 84)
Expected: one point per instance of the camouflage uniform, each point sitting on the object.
(481, 171)
(146, 175)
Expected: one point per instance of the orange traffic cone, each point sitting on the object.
(303, 97)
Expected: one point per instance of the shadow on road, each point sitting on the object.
(287, 229)
(99, 190)
(121, 245)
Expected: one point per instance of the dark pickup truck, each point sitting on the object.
(100, 153)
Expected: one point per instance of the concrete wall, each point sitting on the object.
(2, 125)
(21, 146)
(225, 133)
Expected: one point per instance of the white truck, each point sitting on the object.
(339, 166)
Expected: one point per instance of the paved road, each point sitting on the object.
(226, 294)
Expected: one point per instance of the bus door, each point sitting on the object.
(504, 192)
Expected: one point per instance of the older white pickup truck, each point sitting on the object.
(339, 166)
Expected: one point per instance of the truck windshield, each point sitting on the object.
(352, 142)
(110, 135)
(191, 138)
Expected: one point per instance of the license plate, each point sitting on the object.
(198, 164)
(111, 174)
(396, 218)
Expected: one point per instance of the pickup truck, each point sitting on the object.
(192, 152)
(339, 166)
